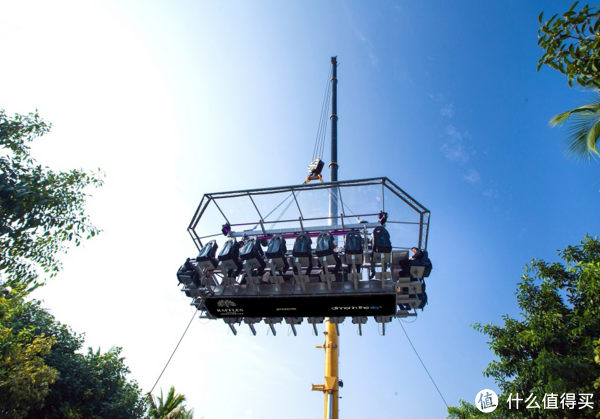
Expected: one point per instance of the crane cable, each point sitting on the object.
(322, 128)
(171, 357)
(422, 363)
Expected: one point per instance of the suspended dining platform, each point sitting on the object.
(275, 254)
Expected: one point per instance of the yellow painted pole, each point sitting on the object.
(331, 386)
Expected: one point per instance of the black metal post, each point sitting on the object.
(333, 166)
(334, 118)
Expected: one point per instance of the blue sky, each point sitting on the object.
(176, 99)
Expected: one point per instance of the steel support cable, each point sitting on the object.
(320, 137)
(319, 141)
(320, 130)
(281, 203)
(343, 205)
(325, 119)
(171, 357)
(285, 209)
(282, 213)
(436, 387)
(273, 210)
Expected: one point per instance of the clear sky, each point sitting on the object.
(176, 99)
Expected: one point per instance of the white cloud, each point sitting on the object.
(447, 110)
(491, 193)
(436, 96)
(453, 133)
(454, 149)
(372, 56)
(361, 36)
(455, 152)
(472, 176)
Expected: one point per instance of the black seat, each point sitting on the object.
(354, 247)
(325, 244)
(427, 264)
(302, 251)
(230, 251)
(230, 257)
(424, 261)
(253, 253)
(381, 240)
(188, 275)
(277, 247)
(422, 300)
(302, 246)
(354, 243)
(382, 244)
(276, 252)
(206, 259)
(326, 249)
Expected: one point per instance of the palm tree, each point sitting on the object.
(170, 408)
(583, 129)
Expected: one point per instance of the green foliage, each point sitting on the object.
(571, 45)
(93, 384)
(25, 378)
(40, 209)
(90, 385)
(171, 407)
(466, 410)
(597, 358)
(583, 128)
(553, 348)
(43, 373)
(57, 381)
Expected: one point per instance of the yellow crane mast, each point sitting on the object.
(332, 383)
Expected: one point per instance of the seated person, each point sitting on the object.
(404, 268)
(417, 257)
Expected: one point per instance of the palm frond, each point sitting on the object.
(561, 118)
(583, 129)
(152, 407)
(170, 407)
(593, 136)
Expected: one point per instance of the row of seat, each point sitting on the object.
(234, 254)
(394, 267)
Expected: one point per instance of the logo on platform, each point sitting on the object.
(226, 303)
(486, 401)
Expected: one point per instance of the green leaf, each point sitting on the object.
(41, 205)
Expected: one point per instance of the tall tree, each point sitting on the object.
(42, 372)
(551, 353)
(82, 385)
(41, 210)
(171, 407)
(466, 410)
(571, 44)
(25, 378)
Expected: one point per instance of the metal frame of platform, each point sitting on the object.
(343, 220)
(380, 287)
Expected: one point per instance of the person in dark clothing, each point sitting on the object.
(416, 258)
